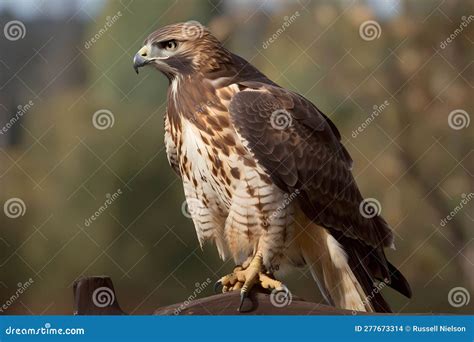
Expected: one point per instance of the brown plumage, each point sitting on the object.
(265, 173)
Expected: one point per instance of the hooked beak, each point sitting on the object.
(140, 58)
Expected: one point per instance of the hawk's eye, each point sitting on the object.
(170, 45)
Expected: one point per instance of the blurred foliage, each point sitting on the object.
(408, 157)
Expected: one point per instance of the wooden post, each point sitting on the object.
(258, 303)
(96, 296)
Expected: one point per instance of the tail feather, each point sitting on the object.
(349, 273)
(330, 268)
(398, 281)
(374, 272)
(371, 287)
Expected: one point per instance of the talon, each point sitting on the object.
(244, 278)
(243, 295)
(227, 282)
(217, 285)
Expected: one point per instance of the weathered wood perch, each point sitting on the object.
(96, 296)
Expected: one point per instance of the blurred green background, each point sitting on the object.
(63, 168)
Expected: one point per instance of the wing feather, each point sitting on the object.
(308, 156)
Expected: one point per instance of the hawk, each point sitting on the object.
(266, 176)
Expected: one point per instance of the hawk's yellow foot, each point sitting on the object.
(228, 282)
(245, 278)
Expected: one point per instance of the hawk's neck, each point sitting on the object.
(198, 94)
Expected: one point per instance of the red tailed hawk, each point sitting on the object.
(266, 175)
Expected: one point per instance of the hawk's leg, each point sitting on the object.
(244, 279)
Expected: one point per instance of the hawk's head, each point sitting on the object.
(181, 49)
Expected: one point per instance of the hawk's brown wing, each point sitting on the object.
(308, 156)
(305, 153)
